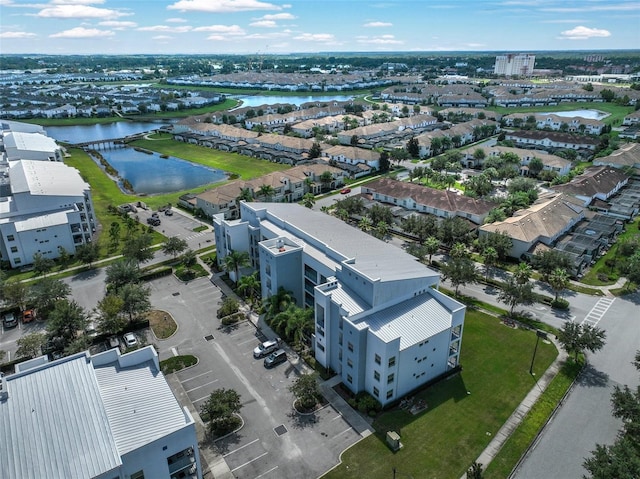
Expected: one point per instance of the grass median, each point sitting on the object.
(464, 412)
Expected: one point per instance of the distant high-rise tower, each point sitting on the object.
(515, 65)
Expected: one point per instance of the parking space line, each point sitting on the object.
(265, 473)
(241, 447)
(339, 416)
(199, 375)
(346, 430)
(240, 333)
(198, 387)
(200, 399)
(246, 341)
(249, 462)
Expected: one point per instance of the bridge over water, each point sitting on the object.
(108, 144)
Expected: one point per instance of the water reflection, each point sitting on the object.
(152, 174)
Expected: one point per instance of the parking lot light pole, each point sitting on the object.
(539, 334)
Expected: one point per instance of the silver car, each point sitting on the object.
(266, 348)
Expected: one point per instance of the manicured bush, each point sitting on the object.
(560, 304)
(229, 306)
(232, 319)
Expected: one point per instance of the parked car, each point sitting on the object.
(130, 340)
(168, 212)
(153, 221)
(266, 348)
(275, 358)
(113, 342)
(28, 315)
(9, 320)
(344, 191)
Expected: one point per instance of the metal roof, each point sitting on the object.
(410, 321)
(139, 403)
(54, 424)
(373, 257)
(47, 178)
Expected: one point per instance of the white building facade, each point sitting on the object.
(106, 416)
(44, 206)
(380, 322)
(521, 64)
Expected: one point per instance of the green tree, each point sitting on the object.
(249, 286)
(384, 162)
(413, 147)
(42, 265)
(514, 293)
(46, 292)
(174, 246)
(308, 200)
(15, 293)
(535, 166)
(88, 253)
(245, 195)
(63, 257)
(315, 151)
(266, 192)
(496, 214)
(30, 345)
(138, 248)
(135, 299)
(109, 314)
(431, 246)
(453, 230)
(475, 471)
(365, 224)
(120, 273)
(500, 241)
(277, 303)
(490, 257)
(459, 272)
(114, 234)
(65, 321)
(522, 274)
(234, 261)
(325, 179)
(296, 324)
(547, 261)
(306, 391)
(576, 338)
(558, 280)
(220, 408)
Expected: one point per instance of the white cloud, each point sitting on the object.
(226, 29)
(75, 2)
(118, 25)
(17, 35)
(380, 40)
(162, 37)
(278, 16)
(81, 32)
(584, 33)
(175, 20)
(377, 24)
(316, 37)
(222, 6)
(633, 6)
(165, 28)
(264, 24)
(79, 11)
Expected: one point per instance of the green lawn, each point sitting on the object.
(616, 112)
(443, 441)
(246, 167)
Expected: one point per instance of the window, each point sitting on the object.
(138, 475)
(376, 375)
(11, 238)
(392, 361)
(389, 393)
(14, 249)
(350, 346)
(349, 378)
(349, 363)
(321, 347)
(17, 260)
(376, 392)
(390, 378)
(377, 359)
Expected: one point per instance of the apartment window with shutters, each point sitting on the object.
(392, 361)
(390, 378)
(377, 359)
(350, 346)
(376, 375)
(376, 392)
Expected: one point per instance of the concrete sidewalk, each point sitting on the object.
(492, 450)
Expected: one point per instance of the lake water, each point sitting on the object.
(258, 100)
(589, 114)
(100, 131)
(150, 174)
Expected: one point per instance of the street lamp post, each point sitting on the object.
(539, 334)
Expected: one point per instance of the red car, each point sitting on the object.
(344, 191)
(28, 316)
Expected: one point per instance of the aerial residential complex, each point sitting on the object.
(380, 322)
(81, 416)
(45, 205)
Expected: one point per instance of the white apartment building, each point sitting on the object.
(520, 64)
(20, 145)
(380, 322)
(43, 206)
(108, 416)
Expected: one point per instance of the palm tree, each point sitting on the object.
(490, 256)
(277, 303)
(267, 192)
(245, 195)
(523, 273)
(382, 229)
(365, 224)
(309, 200)
(431, 245)
(558, 280)
(249, 285)
(299, 325)
(236, 260)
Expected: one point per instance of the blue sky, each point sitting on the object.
(272, 27)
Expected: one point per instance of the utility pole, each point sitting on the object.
(539, 334)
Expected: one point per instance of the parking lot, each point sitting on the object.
(275, 441)
(179, 225)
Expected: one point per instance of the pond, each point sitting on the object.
(589, 114)
(99, 131)
(151, 174)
